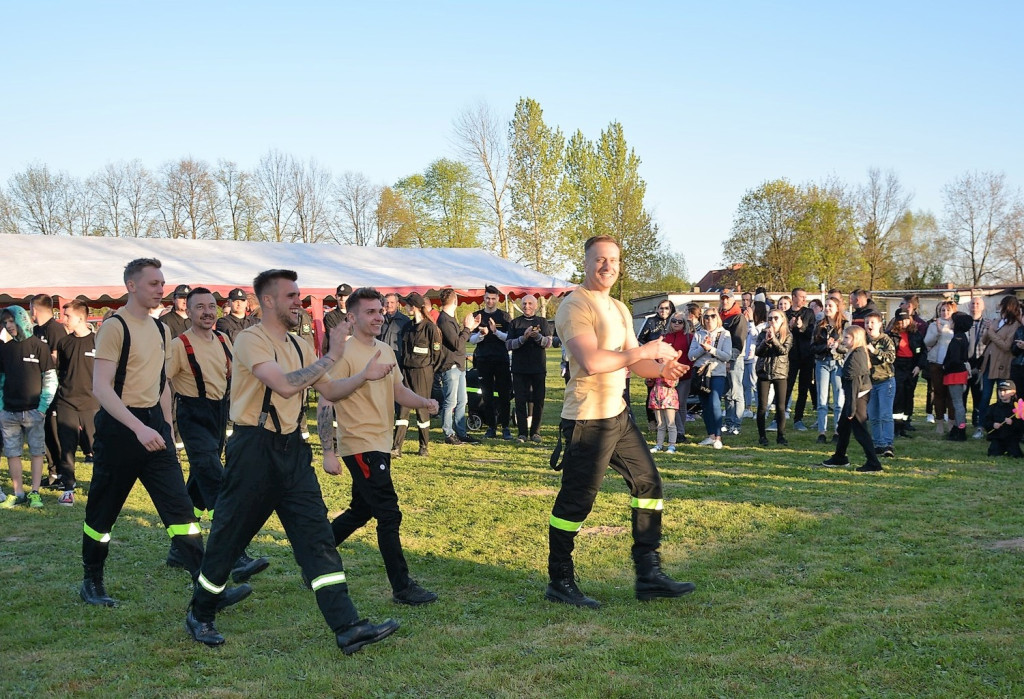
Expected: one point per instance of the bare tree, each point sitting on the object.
(189, 183)
(233, 201)
(272, 179)
(1011, 246)
(480, 138)
(979, 213)
(358, 200)
(76, 206)
(8, 215)
(881, 205)
(140, 201)
(311, 192)
(107, 188)
(37, 197)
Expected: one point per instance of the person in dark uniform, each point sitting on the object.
(177, 318)
(369, 386)
(75, 405)
(237, 320)
(335, 317)
(394, 323)
(421, 357)
(528, 337)
(269, 467)
(490, 359)
(49, 330)
(199, 371)
(598, 430)
(133, 433)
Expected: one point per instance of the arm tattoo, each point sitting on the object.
(308, 375)
(325, 425)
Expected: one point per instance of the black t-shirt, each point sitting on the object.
(231, 326)
(76, 357)
(491, 347)
(23, 365)
(530, 358)
(176, 323)
(49, 332)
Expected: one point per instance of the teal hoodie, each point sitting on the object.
(49, 382)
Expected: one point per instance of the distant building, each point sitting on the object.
(718, 279)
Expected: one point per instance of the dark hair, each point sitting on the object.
(42, 301)
(1010, 307)
(78, 306)
(491, 289)
(265, 279)
(594, 240)
(859, 293)
(196, 292)
(962, 322)
(445, 295)
(760, 312)
(672, 306)
(799, 288)
(135, 267)
(816, 301)
(912, 300)
(693, 309)
(363, 293)
(873, 314)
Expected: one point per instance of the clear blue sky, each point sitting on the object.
(714, 97)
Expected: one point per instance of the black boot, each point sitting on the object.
(563, 588)
(175, 558)
(363, 633)
(92, 590)
(203, 631)
(246, 567)
(233, 595)
(651, 581)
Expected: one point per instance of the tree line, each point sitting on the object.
(517, 186)
(845, 236)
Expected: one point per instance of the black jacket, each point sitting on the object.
(421, 346)
(391, 332)
(823, 332)
(773, 357)
(916, 342)
(802, 337)
(453, 341)
(994, 429)
(856, 374)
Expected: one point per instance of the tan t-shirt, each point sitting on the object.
(146, 356)
(597, 396)
(366, 416)
(254, 346)
(212, 362)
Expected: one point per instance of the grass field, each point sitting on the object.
(811, 582)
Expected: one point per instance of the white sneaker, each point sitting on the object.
(655, 450)
(930, 419)
(717, 444)
(671, 449)
(772, 427)
(747, 415)
(979, 433)
(707, 442)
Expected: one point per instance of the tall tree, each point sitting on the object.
(536, 153)
(919, 256)
(1011, 246)
(881, 203)
(828, 241)
(979, 211)
(393, 220)
(481, 142)
(417, 225)
(358, 200)
(184, 198)
(764, 236)
(311, 193)
(8, 215)
(272, 179)
(107, 189)
(235, 209)
(140, 201)
(37, 195)
(454, 203)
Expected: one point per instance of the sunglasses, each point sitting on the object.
(709, 316)
(677, 321)
(664, 308)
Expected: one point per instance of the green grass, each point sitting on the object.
(811, 582)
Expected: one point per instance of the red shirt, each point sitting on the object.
(680, 340)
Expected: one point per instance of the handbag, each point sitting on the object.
(703, 383)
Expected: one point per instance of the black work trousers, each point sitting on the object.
(801, 376)
(421, 381)
(495, 383)
(119, 461)
(373, 495)
(529, 390)
(201, 426)
(73, 427)
(591, 447)
(267, 472)
(854, 419)
(906, 384)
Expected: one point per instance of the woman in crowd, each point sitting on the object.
(937, 341)
(654, 328)
(772, 370)
(995, 362)
(828, 349)
(757, 316)
(956, 371)
(911, 361)
(680, 335)
(710, 352)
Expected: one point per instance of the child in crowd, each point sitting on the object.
(955, 372)
(856, 388)
(663, 400)
(882, 352)
(911, 360)
(1004, 430)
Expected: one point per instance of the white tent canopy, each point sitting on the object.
(93, 267)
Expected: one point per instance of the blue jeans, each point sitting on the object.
(453, 407)
(880, 411)
(734, 394)
(711, 406)
(828, 373)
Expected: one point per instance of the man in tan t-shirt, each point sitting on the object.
(268, 466)
(199, 370)
(598, 429)
(365, 414)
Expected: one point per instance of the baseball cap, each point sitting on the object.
(181, 291)
(236, 295)
(415, 299)
(900, 314)
(343, 290)
(726, 293)
(1007, 385)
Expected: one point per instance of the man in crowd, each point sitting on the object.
(49, 330)
(421, 357)
(177, 318)
(74, 405)
(733, 321)
(394, 323)
(268, 467)
(975, 349)
(860, 306)
(237, 319)
(133, 433)
(27, 384)
(199, 371)
(365, 387)
(491, 362)
(528, 337)
(801, 359)
(453, 367)
(597, 429)
(336, 316)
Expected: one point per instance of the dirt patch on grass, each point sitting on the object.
(1009, 545)
(534, 492)
(603, 531)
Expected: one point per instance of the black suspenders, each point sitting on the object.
(268, 410)
(122, 361)
(197, 371)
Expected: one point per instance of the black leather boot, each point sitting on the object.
(363, 633)
(563, 588)
(246, 567)
(651, 581)
(93, 591)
